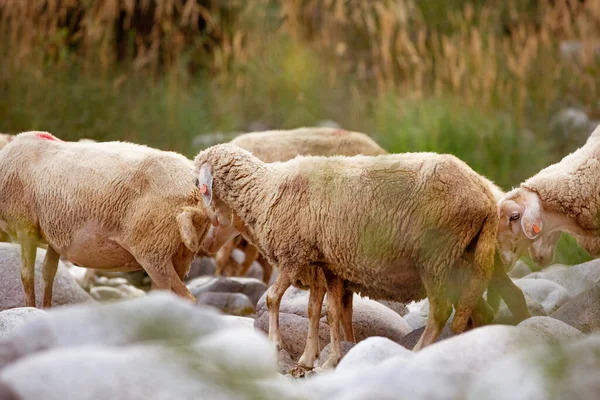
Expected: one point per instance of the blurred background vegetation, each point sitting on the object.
(508, 86)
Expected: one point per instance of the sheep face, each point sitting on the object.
(542, 250)
(218, 212)
(520, 224)
(218, 236)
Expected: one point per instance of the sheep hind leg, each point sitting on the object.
(49, 268)
(250, 256)
(28, 242)
(467, 303)
(312, 350)
(440, 309)
(335, 293)
(274, 295)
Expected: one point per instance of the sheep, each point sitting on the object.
(5, 139)
(562, 197)
(283, 145)
(112, 205)
(388, 227)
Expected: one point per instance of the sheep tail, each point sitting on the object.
(481, 274)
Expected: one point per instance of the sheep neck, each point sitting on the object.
(246, 190)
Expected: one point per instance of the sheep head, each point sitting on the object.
(521, 224)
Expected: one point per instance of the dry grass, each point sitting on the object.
(384, 44)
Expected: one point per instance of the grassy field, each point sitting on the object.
(481, 79)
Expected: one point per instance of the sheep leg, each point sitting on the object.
(493, 298)
(49, 267)
(274, 295)
(28, 251)
(439, 312)
(482, 315)
(468, 302)
(267, 268)
(312, 350)
(250, 256)
(223, 259)
(347, 316)
(166, 278)
(511, 294)
(335, 292)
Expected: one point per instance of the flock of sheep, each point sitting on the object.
(329, 208)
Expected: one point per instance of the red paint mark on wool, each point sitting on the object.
(47, 136)
(339, 132)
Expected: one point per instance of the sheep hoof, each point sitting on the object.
(299, 371)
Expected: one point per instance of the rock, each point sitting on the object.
(227, 364)
(410, 340)
(205, 140)
(370, 318)
(285, 363)
(416, 320)
(66, 290)
(421, 306)
(572, 124)
(552, 329)
(504, 316)
(130, 291)
(240, 322)
(399, 308)
(106, 293)
(15, 317)
(550, 295)
(346, 346)
(112, 282)
(387, 381)
(566, 371)
(229, 303)
(82, 276)
(159, 316)
(123, 291)
(328, 123)
(476, 349)
(575, 279)
(252, 288)
(519, 270)
(371, 351)
(583, 311)
(201, 266)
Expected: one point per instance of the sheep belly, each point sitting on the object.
(93, 246)
(397, 281)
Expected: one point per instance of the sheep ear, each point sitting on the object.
(531, 221)
(205, 184)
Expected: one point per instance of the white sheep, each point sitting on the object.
(283, 145)
(388, 227)
(110, 205)
(562, 197)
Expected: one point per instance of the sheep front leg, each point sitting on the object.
(312, 350)
(49, 267)
(335, 292)
(274, 296)
(28, 242)
(347, 316)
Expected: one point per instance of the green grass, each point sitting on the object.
(286, 87)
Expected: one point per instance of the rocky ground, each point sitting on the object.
(157, 346)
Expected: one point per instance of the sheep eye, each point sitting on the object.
(196, 181)
(515, 216)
